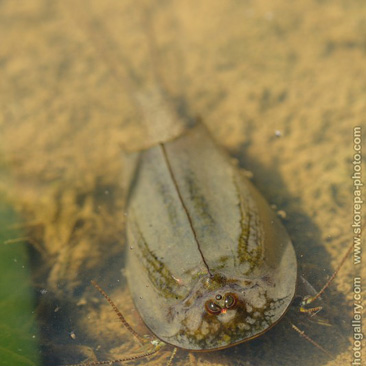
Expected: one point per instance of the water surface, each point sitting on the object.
(273, 82)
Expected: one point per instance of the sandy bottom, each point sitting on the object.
(280, 85)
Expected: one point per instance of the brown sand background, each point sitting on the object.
(248, 69)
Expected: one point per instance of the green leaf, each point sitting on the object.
(18, 329)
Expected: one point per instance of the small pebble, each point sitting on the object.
(278, 133)
(281, 214)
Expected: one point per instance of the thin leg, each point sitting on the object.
(309, 299)
(128, 358)
(171, 358)
(137, 336)
(302, 333)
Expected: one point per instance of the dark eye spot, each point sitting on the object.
(212, 308)
(218, 297)
(230, 301)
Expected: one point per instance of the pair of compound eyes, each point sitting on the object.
(229, 302)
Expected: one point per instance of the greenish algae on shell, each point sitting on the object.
(198, 231)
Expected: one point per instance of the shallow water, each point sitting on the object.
(277, 84)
